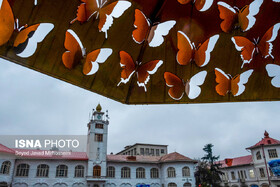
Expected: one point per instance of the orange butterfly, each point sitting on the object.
(263, 46)
(234, 85)
(25, 43)
(152, 33)
(90, 7)
(143, 71)
(245, 16)
(200, 5)
(187, 51)
(76, 52)
(178, 87)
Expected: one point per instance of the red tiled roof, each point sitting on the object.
(231, 162)
(47, 154)
(6, 149)
(175, 157)
(172, 157)
(265, 141)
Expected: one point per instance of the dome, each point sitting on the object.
(98, 108)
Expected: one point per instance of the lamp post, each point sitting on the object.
(268, 178)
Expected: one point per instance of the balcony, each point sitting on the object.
(96, 179)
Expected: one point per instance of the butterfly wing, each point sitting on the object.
(27, 40)
(246, 47)
(86, 10)
(145, 70)
(202, 55)
(228, 15)
(75, 49)
(142, 26)
(6, 22)
(128, 67)
(246, 15)
(95, 58)
(183, 2)
(113, 10)
(237, 83)
(223, 81)
(157, 33)
(197, 80)
(176, 90)
(203, 5)
(273, 71)
(265, 44)
(185, 49)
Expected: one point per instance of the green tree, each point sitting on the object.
(208, 173)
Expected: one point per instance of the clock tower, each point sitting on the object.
(97, 143)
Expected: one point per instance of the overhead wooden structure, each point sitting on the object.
(113, 53)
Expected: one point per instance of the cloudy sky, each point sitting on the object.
(34, 104)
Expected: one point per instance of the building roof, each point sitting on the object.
(265, 141)
(238, 161)
(4, 149)
(171, 157)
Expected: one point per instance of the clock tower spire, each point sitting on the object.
(97, 143)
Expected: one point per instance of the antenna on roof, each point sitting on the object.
(107, 115)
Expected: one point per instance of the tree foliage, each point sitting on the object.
(208, 173)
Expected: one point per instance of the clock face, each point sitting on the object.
(98, 116)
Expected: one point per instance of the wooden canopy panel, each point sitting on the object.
(142, 61)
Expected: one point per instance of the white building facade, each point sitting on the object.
(95, 168)
(253, 170)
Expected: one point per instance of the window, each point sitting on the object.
(134, 151)
(141, 151)
(258, 155)
(171, 172)
(157, 152)
(262, 174)
(232, 175)
(187, 184)
(98, 138)
(172, 184)
(79, 171)
(162, 151)
(140, 173)
(251, 173)
(147, 151)
(42, 170)
(154, 173)
(5, 168)
(61, 171)
(111, 172)
(272, 153)
(242, 174)
(96, 171)
(125, 172)
(99, 126)
(152, 152)
(186, 171)
(22, 170)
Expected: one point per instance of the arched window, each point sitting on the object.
(96, 171)
(5, 168)
(172, 184)
(258, 155)
(154, 173)
(140, 173)
(42, 170)
(22, 170)
(186, 171)
(61, 171)
(111, 172)
(171, 172)
(187, 184)
(79, 171)
(125, 172)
